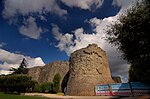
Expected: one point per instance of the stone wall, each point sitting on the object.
(47, 72)
(35, 73)
(88, 67)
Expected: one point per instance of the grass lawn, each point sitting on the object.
(10, 96)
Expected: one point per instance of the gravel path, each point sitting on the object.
(55, 96)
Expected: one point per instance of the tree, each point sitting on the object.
(131, 35)
(46, 87)
(22, 69)
(16, 83)
(56, 82)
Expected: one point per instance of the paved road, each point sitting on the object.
(54, 96)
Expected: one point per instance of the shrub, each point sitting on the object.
(51, 87)
(56, 82)
(44, 87)
(16, 83)
(36, 88)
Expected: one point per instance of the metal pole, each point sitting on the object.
(131, 89)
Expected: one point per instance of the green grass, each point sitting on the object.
(10, 96)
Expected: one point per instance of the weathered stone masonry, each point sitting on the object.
(88, 67)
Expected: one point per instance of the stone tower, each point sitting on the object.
(88, 67)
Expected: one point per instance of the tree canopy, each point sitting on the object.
(131, 34)
(16, 83)
(22, 69)
(56, 82)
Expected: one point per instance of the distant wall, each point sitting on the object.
(47, 72)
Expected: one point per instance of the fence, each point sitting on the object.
(140, 88)
(103, 90)
(122, 89)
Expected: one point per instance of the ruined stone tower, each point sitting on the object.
(88, 67)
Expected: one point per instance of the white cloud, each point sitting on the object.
(30, 29)
(43, 18)
(14, 8)
(82, 39)
(8, 57)
(13, 60)
(83, 4)
(125, 4)
(25, 7)
(68, 44)
(5, 72)
(64, 40)
(2, 44)
(32, 62)
(4, 68)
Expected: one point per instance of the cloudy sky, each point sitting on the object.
(43, 31)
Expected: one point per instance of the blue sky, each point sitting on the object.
(43, 31)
